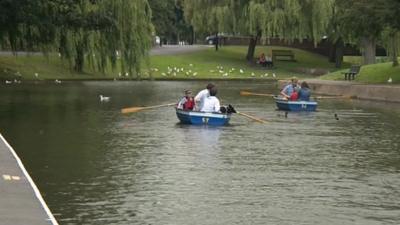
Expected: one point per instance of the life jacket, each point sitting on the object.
(189, 104)
(294, 96)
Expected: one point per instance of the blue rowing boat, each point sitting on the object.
(286, 105)
(200, 118)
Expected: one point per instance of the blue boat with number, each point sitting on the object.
(201, 118)
(286, 105)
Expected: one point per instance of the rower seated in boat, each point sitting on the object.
(201, 96)
(187, 102)
(304, 92)
(289, 88)
(211, 103)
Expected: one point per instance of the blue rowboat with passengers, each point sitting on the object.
(286, 105)
(201, 118)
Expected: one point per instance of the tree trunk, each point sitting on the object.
(79, 59)
(332, 51)
(216, 41)
(394, 46)
(193, 36)
(252, 46)
(369, 50)
(339, 52)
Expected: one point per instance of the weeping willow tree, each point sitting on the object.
(210, 16)
(391, 40)
(389, 11)
(286, 19)
(27, 25)
(93, 32)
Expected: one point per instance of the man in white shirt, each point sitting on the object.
(201, 96)
(211, 103)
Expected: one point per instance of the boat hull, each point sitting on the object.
(201, 118)
(296, 105)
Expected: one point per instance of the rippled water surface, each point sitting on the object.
(97, 166)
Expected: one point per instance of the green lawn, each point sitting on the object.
(208, 63)
(204, 64)
(374, 74)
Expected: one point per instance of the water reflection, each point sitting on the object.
(97, 166)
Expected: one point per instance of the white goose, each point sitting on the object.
(104, 98)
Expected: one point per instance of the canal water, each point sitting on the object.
(97, 166)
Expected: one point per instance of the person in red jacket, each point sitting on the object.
(187, 102)
(295, 95)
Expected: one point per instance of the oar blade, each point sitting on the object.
(245, 93)
(131, 110)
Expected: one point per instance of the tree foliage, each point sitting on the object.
(286, 19)
(93, 31)
(168, 20)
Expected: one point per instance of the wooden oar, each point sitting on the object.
(137, 109)
(251, 117)
(247, 93)
(333, 97)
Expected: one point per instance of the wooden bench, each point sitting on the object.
(353, 71)
(286, 55)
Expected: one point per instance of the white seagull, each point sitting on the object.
(104, 98)
(274, 75)
(252, 74)
(57, 81)
(241, 71)
(8, 82)
(390, 80)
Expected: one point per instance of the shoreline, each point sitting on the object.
(145, 79)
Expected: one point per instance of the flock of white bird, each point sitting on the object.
(175, 71)
(171, 71)
(16, 81)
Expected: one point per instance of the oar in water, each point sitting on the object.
(251, 117)
(137, 109)
(335, 97)
(247, 93)
(230, 109)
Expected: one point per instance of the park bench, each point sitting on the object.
(353, 71)
(287, 55)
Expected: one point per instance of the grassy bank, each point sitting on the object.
(228, 63)
(374, 74)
